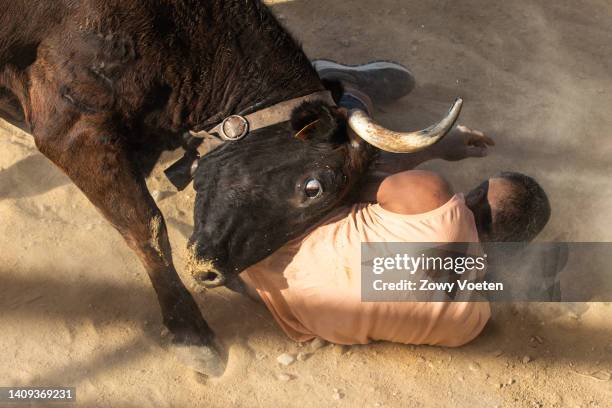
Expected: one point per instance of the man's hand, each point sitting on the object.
(462, 143)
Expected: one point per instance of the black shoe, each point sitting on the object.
(382, 81)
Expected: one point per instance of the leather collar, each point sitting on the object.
(235, 127)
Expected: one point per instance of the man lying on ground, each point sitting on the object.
(312, 286)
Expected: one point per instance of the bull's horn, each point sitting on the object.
(402, 142)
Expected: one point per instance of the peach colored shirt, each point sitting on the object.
(312, 285)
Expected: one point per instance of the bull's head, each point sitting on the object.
(255, 194)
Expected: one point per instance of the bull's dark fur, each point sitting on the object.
(105, 85)
(161, 66)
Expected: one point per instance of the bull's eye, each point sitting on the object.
(313, 188)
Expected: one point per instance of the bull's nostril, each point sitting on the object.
(209, 276)
(209, 279)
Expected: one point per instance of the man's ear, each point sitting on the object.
(481, 194)
(478, 196)
(476, 201)
(318, 122)
(181, 172)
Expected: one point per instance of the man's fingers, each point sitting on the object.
(475, 137)
(478, 133)
(488, 140)
(475, 142)
(477, 151)
(480, 140)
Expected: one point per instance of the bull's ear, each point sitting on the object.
(318, 122)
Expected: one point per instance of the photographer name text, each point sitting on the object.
(425, 285)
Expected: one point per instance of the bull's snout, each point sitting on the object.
(203, 271)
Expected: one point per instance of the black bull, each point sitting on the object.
(104, 86)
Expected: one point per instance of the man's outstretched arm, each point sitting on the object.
(461, 143)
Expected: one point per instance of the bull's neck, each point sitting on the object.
(253, 63)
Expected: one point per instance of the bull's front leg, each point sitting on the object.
(93, 155)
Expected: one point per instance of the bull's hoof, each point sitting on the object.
(205, 360)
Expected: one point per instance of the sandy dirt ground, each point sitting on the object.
(76, 307)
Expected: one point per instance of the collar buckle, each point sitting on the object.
(233, 128)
